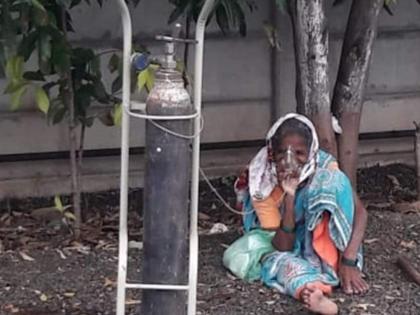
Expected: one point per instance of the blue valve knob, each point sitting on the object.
(140, 61)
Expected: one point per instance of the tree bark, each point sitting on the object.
(68, 100)
(404, 263)
(310, 37)
(349, 89)
(417, 151)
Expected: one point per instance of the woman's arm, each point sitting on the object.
(359, 227)
(284, 239)
(350, 277)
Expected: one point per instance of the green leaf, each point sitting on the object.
(58, 204)
(388, 9)
(135, 2)
(44, 53)
(142, 79)
(16, 98)
(40, 14)
(42, 100)
(38, 5)
(75, 3)
(335, 3)
(56, 112)
(116, 84)
(82, 56)
(150, 79)
(114, 63)
(28, 45)
(70, 215)
(33, 76)
(60, 57)
(241, 19)
(100, 92)
(222, 19)
(117, 114)
(64, 3)
(95, 66)
(178, 11)
(13, 86)
(14, 68)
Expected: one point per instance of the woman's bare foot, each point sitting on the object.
(315, 301)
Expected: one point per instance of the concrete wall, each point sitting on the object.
(236, 90)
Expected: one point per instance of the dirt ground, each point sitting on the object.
(44, 272)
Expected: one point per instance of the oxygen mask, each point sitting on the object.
(290, 162)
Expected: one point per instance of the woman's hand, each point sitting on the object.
(290, 185)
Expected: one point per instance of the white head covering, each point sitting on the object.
(262, 171)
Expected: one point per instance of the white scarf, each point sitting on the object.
(262, 171)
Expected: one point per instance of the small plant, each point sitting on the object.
(66, 79)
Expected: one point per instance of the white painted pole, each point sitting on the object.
(125, 137)
(198, 80)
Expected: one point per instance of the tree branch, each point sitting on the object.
(404, 263)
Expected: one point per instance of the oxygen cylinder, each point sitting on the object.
(166, 191)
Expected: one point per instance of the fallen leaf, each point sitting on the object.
(394, 181)
(407, 207)
(62, 256)
(231, 276)
(409, 245)
(43, 297)
(25, 256)
(132, 302)
(69, 294)
(110, 283)
(70, 215)
(218, 228)
(203, 216)
(79, 247)
(11, 308)
(135, 244)
(365, 306)
(370, 241)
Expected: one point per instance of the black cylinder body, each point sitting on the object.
(166, 194)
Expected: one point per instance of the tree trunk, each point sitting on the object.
(74, 167)
(310, 36)
(351, 80)
(68, 100)
(417, 151)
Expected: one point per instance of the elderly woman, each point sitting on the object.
(298, 215)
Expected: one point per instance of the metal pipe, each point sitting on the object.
(170, 287)
(125, 137)
(195, 176)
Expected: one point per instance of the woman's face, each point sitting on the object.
(299, 148)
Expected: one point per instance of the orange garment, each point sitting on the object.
(326, 250)
(323, 244)
(268, 211)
